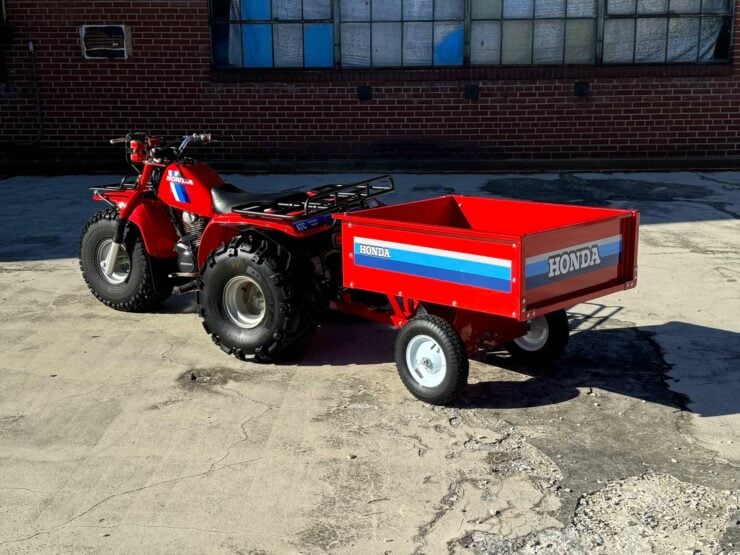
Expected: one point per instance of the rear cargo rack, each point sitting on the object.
(318, 205)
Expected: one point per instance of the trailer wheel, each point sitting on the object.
(254, 300)
(545, 341)
(137, 282)
(431, 359)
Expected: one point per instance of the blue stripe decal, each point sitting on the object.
(431, 272)
(446, 263)
(181, 193)
(543, 267)
(538, 280)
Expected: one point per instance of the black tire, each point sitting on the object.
(544, 343)
(141, 282)
(431, 334)
(285, 285)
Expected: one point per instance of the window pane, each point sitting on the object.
(715, 39)
(316, 9)
(257, 45)
(683, 39)
(549, 40)
(651, 40)
(288, 44)
(517, 42)
(685, 6)
(485, 43)
(387, 44)
(582, 8)
(355, 44)
(415, 10)
(549, 8)
(417, 44)
(619, 41)
(355, 10)
(580, 41)
(518, 8)
(256, 9)
(448, 9)
(286, 9)
(618, 7)
(652, 6)
(448, 44)
(225, 9)
(386, 10)
(486, 9)
(318, 44)
(716, 6)
(227, 45)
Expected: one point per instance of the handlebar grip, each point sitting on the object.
(119, 140)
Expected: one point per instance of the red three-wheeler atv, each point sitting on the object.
(459, 275)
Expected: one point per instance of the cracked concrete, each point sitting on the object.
(132, 431)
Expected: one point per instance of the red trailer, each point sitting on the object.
(465, 274)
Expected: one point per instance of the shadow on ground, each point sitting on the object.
(623, 360)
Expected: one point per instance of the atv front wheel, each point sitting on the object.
(254, 299)
(135, 283)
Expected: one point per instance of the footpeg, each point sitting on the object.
(185, 288)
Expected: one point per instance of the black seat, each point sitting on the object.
(227, 197)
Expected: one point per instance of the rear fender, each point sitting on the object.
(219, 230)
(156, 228)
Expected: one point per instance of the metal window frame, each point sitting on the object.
(668, 16)
(599, 20)
(402, 21)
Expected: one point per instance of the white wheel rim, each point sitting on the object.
(121, 266)
(426, 361)
(536, 337)
(244, 302)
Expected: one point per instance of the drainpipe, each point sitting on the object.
(37, 94)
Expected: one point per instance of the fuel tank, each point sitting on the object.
(187, 186)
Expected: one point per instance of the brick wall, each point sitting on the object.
(167, 87)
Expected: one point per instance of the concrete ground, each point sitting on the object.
(123, 432)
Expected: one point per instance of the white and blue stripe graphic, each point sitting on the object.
(572, 261)
(177, 186)
(449, 266)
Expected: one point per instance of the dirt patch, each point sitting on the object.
(643, 514)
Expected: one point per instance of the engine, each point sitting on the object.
(187, 247)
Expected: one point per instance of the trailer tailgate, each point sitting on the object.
(567, 265)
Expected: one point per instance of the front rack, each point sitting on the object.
(321, 201)
(124, 185)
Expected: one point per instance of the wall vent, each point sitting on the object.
(105, 41)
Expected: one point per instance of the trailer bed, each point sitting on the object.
(509, 258)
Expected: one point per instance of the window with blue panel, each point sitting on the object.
(272, 33)
(402, 33)
(450, 33)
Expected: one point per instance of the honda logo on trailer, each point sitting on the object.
(378, 252)
(570, 261)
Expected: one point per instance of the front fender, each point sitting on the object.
(156, 228)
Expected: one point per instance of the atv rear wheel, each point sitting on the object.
(254, 299)
(136, 282)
